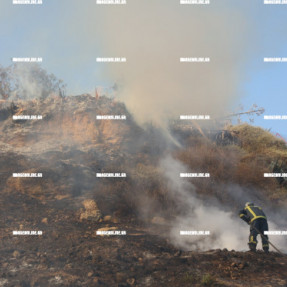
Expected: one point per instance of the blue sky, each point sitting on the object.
(266, 85)
(41, 31)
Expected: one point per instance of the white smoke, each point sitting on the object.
(153, 35)
(227, 230)
(28, 86)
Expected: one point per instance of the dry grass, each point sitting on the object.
(244, 165)
(258, 141)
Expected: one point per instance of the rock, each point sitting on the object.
(90, 274)
(97, 280)
(16, 254)
(45, 220)
(91, 212)
(158, 220)
(114, 220)
(131, 281)
(107, 218)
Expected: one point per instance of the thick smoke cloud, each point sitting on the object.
(153, 35)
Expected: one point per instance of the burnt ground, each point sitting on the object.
(69, 253)
(69, 147)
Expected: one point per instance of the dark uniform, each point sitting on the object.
(256, 218)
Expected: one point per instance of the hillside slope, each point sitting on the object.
(69, 146)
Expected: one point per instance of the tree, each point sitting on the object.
(28, 81)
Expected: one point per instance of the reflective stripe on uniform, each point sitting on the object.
(251, 211)
(254, 215)
(252, 241)
(241, 215)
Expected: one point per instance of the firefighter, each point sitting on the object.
(257, 220)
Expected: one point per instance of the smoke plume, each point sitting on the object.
(153, 35)
(225, 227)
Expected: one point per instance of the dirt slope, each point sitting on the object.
(69, 146)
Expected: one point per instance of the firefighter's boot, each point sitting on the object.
(252, 247)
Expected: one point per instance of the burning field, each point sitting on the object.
(125, 231)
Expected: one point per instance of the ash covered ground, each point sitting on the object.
(69, 203)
